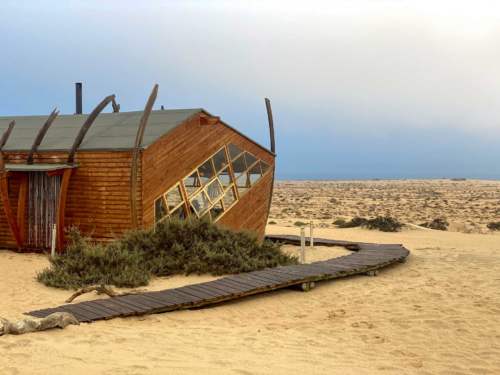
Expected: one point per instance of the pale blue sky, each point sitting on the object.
(360, 89)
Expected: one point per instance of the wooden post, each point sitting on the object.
(311, 238)
(302, 256)
(53, 243)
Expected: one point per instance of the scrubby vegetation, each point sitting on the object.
(300, 224)
(494, 225)
(339, 222)
(272, 222)
(382, 223)
(174, 247)
(437, 224)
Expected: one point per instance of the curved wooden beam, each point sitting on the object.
(271, 124)
(135, 154)
(86, 125)
(41, 134)
(273, 149)
(6, 134)
(61, 208)
(4, 190)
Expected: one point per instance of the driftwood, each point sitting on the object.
(55, 320)
(100, 289)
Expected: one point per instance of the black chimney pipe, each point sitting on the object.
(79, 100)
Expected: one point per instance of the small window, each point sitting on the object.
(216, 211)
(229, 198)
(239, 166)
(192, 183)
(214, 190)
(250, 159)
(174, 198)
(200, 203)
(243, 184)
(206, 172)
(255, 173)
(160, 209)
(220, 160)
(234, 151)
(264, 167)
(225, 178)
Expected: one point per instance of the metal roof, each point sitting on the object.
(110, 131)
(36, 167)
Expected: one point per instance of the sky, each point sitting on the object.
(359, 89)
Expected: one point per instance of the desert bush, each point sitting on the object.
(300, 224)
(339, 222)
(437, 224)
(174, 247)
(494, 225)
(354, 222)
(382, 223)
(272, 222)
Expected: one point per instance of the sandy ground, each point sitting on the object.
(436, 314)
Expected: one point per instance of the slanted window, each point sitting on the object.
(192, 183)
(234, 151)
(206, 172)
(200, 203)
(213, 187)
(220, 160)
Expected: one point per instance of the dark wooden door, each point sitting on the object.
(43, 196)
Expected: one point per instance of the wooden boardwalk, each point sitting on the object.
(365, 258)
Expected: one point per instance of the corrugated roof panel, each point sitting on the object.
(109, 131)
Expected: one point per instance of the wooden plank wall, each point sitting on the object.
(176, 154)
(98, 199)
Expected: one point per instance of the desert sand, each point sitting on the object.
(436, 314)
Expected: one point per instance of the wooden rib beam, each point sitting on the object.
(115, 105)
(40, 135)
(273, 149)
(4, 190)
(86, 125)
(61, 208)
(135, 154)
(6, 134)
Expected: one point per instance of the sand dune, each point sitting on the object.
(435, 314)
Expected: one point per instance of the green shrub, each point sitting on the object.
(437, 224)
(174, 247)
(300, 224)
(353, 223)
(384, 224)
(272, 222)
(494, 225)
(339, 222)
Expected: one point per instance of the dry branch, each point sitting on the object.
(100, 289)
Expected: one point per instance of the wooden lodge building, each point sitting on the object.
(107, 173)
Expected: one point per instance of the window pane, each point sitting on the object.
(239, 166)
(229, 198)
(216, 211)
(160, 209)
(264, 166)
(250, 159)
(214, 190)
(220, 160)
(206, 172)
(254, 173)
(225, 178)
(243, 184)
(174, 198)
(234, 151)
(179, 213)
(192, 183)
(200, 203)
